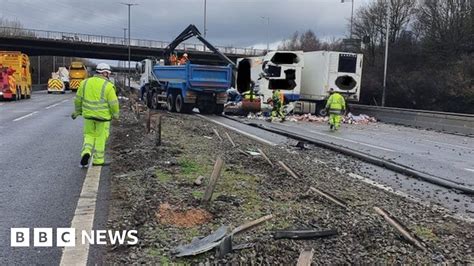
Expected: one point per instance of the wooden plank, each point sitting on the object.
(148, 122)
(230, 139)
(329, 197)
(400, 228)
(217, 134)
(251, 224)
(293, 174)
(213, 181)
(265, 156)
(305, 258)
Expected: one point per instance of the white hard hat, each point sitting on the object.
(103, 67)
(185, 55)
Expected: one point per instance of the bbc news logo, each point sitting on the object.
(66, 237)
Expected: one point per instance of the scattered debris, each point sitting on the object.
(217, 134)
(253, 153)
(230, 139)
(305, 258)
(198, 246)
(213, 181)
(207, 137)
(358, 119)
(265, 156)
(251, 224)
(293, 174)
(330, 197)
(199, 180)
(302, 234)
(400, 228)
(189, 218)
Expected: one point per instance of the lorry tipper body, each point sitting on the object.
(77, 73)
(184, 87)
(19, 62)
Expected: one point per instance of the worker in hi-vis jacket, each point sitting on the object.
(96, 100)
(335, 106)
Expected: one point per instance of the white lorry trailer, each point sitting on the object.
(276, 70)
(324, 70)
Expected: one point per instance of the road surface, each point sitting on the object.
(445, 155)
(40, 175)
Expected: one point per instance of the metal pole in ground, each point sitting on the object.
(129, 50)
(39, 69)
(387, 34)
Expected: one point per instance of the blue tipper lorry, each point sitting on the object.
(181, 88)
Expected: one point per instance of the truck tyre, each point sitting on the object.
(14, 97)
(181, 106)
(49, 92)
(170, 103)
(219, 109)
(321, 111)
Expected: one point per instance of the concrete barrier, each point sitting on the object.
(440, 121)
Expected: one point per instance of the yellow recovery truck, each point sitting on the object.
(19, 62)
(77, 73)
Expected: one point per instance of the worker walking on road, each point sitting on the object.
(335, 106)
(277, 100)
(97, 102)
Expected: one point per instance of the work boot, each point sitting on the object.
(331, 127)
(85, 159)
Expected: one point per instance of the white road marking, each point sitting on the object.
(239, 131)
(469, 169)
(448, 144)
(25, 116)
(52, 105)
(65, 100)
(83, 218)
(353, 141)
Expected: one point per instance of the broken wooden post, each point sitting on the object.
(230, 139)
(137, 110)
(217, 134)
(148, 122)
(158, 131)
(306, 256)
(265, 157)
(400, 228)
(213, 181)
(293, 174)
(244, 227)
(243, 152)
(330, 197)
(303, 234)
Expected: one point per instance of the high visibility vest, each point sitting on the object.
(96, 99)
(336, 103)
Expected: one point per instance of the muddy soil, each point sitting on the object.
(153, 191)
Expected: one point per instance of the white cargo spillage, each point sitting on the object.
(326, 69)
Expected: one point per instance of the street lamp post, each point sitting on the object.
(205, 18)
(352, 13)
(389, 14)
(129, 50)
(268, 31)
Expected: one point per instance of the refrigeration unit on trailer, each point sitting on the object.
(324, 70)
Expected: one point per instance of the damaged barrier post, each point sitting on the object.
(293, 174)
(216, 172)
(230, 139)
(330, 197)
(158, 131)
(266, 157)
(400, 228)
(148, 122)
(217, 134)
(306, 256)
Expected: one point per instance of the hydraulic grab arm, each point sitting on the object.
(189, 32)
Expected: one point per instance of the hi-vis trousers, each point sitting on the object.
(96, 134)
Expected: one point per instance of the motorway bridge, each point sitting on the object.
(55, 43)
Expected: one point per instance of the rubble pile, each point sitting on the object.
(358, 119)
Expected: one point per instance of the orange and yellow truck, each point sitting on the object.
(7, 83)
(20, 63)
(77, 73)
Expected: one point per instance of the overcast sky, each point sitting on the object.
(229, 22)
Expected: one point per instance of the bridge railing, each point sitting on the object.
(110, 40)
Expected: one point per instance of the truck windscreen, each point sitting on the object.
(347, 63)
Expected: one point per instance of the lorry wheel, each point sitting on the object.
(14, 97)
(181, 106)
(219, 109)
(63, 92)
(321, 111)
(170, 103)
(49, 92)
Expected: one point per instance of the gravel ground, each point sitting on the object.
(147, 179)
